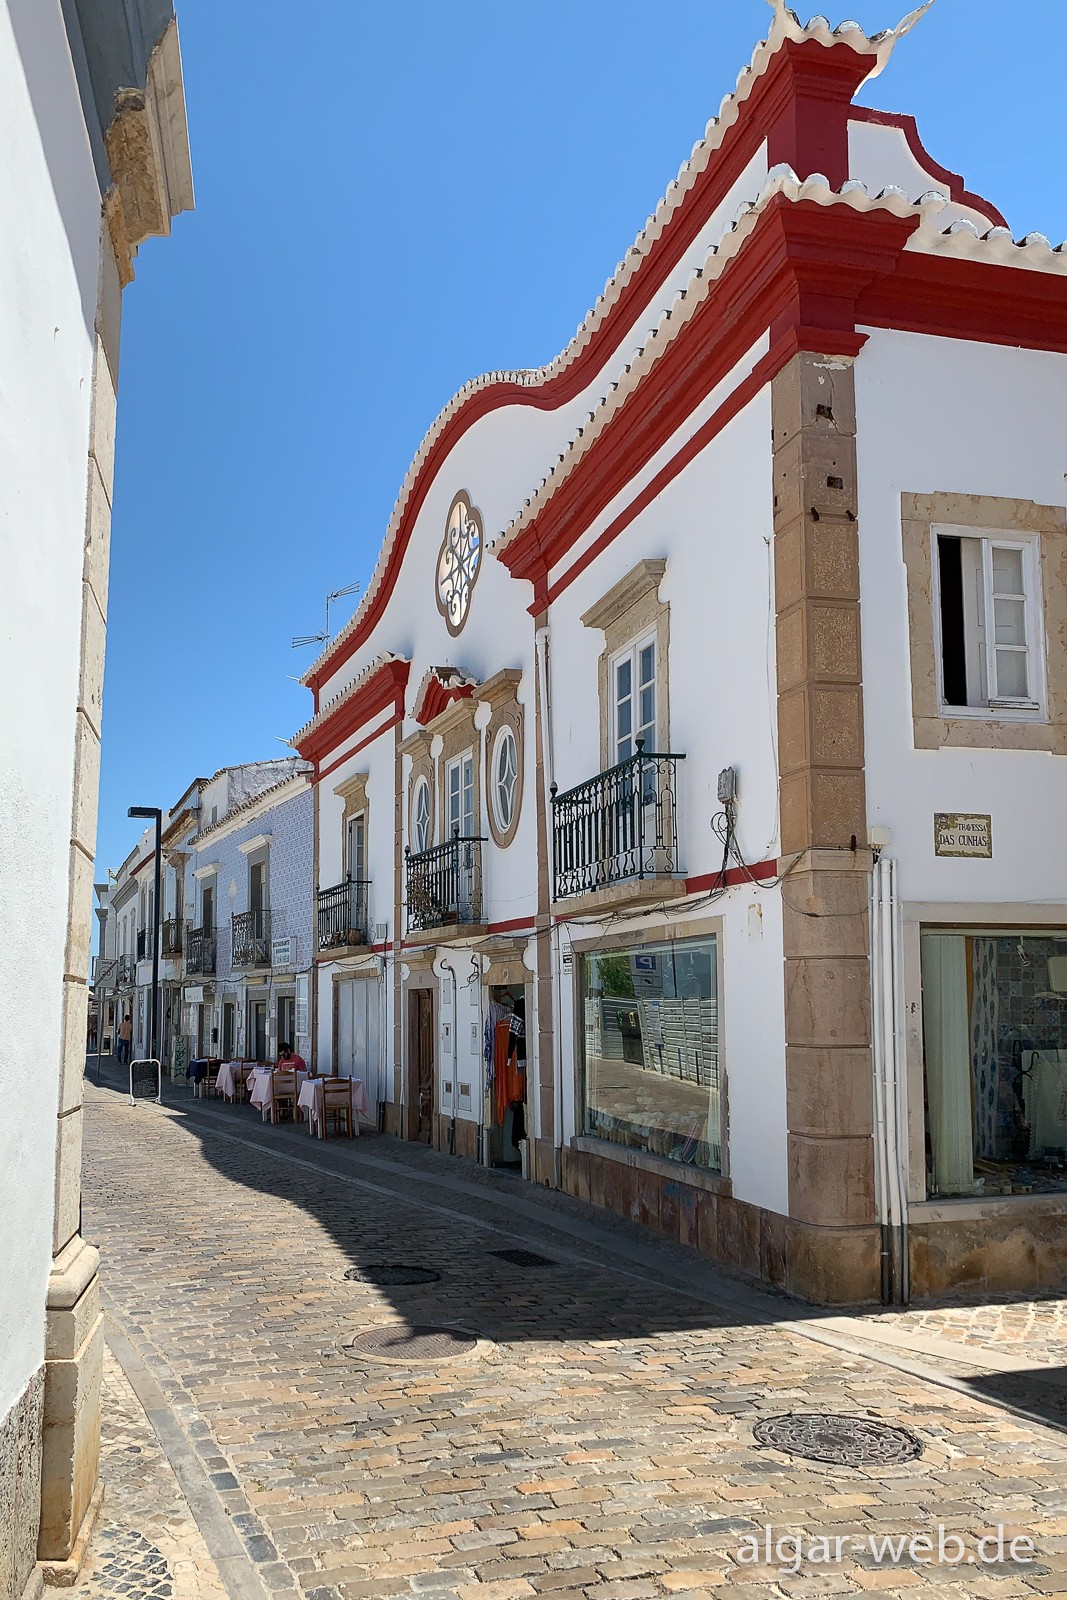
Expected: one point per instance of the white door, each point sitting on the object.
(358, 1035)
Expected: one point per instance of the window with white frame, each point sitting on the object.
(505, 778)
(420, 813)
(459, 797)
(633, 698)
(356, 847)
(988, 607)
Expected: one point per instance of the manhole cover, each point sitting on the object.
(523, 1258)
(392, 1272)
(411, 1342)
(839, 1439)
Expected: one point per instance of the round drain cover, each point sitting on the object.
(406, 1342)
(388, 1273)
(838, 1439)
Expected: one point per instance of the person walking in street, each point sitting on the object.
(125, 1040)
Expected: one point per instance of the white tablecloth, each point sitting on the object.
(311, 1097)
(228, 1080)
(262, 1092)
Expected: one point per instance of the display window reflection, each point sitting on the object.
(995, 1058)
(650, 1032)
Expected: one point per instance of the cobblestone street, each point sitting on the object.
(583, 1426)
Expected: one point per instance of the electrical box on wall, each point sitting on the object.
(727, 790)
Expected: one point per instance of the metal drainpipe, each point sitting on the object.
(450, 969)
(890, 1116)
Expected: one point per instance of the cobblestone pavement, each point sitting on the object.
(595, 1440)
(146, 1541)
(1036, 1329)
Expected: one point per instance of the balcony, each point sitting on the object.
(620, 827)
(342, 915)
(144, 944)
(200, 950)
(171, 938)
(127, 970)
(444, 885)
(251, 939)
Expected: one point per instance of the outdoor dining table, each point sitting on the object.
(310, 1099)
(228, 1082)
(262, 1088)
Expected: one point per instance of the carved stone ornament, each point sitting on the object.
(459, 562)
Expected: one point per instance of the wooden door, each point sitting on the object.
(420, 1038)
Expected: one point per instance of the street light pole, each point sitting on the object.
(154, 814)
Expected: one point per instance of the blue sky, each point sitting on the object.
(392, 198)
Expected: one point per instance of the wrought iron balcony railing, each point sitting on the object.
(251, 939)
(199, 950)
(342, 914)
(171, 937)
(444, 885)
(620, 825)
(144, 944)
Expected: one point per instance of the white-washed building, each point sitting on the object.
(708, 706)
(236, 909)
(95, 160)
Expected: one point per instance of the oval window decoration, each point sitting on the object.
(505, 778)
(421, 829)
(459, 562)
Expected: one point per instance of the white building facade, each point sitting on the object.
(235, 929)
(682, 779)
(92, 126)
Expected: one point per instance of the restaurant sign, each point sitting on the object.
(281, 952)
(193, 997)
(960, 833)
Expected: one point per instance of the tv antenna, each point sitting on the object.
(324, 636)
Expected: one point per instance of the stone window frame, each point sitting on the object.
(921, 515)
(631, 610)
(500, 692)
(455, 728)
(353, 795)
(422, 769)
(684, 930)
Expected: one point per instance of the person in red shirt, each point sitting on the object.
(286, 1058)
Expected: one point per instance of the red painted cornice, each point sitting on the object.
(800, 275)
(800, 105)
(951, 180)
(382, 689)
(438, 696)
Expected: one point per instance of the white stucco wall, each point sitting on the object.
(950, 416)
(48, 265)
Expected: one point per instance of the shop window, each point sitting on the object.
(989, 623)
(995, 1049)
(651, 1050)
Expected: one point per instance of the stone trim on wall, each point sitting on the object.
(506, 714)
(629, 610)
(825, 891)
(984, 730)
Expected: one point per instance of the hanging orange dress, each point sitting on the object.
(509, 1075)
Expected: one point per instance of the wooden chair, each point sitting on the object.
(211, 1081)
(283, 1092)
(337, 1102)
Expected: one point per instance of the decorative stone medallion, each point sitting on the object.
(838, 1439)
(459, 561)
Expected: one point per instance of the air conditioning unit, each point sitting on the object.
(381, 933)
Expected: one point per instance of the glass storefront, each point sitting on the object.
(995, 1047)
(650, 1030)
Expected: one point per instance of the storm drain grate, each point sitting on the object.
(838, 1439)
(404, 1342)
(523, 1258)
(388, 1273)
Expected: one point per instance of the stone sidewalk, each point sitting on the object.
(579, 1424)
